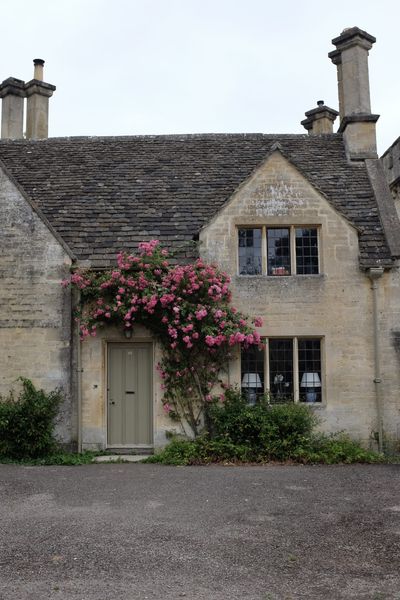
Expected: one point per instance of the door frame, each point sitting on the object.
(136, 341)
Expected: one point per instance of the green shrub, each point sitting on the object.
(178, 452)
(27, 422)
(268, 431)
(240, 433)
(213, 450)
(292, 427)
(320, 449)
(200, 451)
(336, 448)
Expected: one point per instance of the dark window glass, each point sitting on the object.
(310, 370)
(278, 250)
(306, 251)
(281, 370)
(252, 373)
(250, 251)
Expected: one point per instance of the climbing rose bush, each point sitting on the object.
(188, 308)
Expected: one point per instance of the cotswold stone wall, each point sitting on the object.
(389, 316)
(35, 311)
(335, 305)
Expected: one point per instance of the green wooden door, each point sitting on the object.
(130, 415)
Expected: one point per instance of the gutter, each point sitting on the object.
(375, 274)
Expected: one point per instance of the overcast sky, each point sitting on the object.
(126, 67)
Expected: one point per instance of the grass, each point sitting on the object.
(58, 458)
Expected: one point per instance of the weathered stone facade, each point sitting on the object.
(390, 351)
(35, 311)
(79, 201)
(335, 305)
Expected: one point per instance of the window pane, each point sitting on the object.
(306, 251)
(310, 370)
(250, 251)
(278, 248)
(281, 370)
(252, 373)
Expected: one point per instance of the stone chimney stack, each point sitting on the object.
(37, 104)
(320, 120)
(12, 92)
(356, 121)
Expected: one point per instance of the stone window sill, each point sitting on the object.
(280, 277)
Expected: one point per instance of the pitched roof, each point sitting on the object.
(104, 194)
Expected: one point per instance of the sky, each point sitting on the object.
(134, 67)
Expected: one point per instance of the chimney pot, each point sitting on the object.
(38, 69)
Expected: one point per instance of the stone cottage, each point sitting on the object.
(304, 224)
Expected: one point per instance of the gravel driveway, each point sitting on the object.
(132, 531)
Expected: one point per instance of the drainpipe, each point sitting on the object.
(375, 274)
(79, 369)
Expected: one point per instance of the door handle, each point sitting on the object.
(111, 402)
(129, 392)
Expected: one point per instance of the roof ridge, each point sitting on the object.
(174, 136)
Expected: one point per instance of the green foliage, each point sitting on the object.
(178, 452)
(321, 449)
(27, 422)
(271, 432)
(261, 433)
(187, 307)
(57, 458)
(336, 448)
(200, 451)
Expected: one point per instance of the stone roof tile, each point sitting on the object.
(103, 194)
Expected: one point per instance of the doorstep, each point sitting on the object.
(107, 458)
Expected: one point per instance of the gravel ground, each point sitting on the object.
(132, 531)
